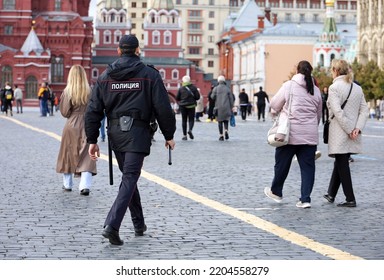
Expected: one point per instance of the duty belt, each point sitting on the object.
(136, 122)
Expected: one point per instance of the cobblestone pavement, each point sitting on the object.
(209, 204)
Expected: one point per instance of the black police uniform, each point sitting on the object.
(130, 92)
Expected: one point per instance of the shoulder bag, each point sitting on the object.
(326, 124)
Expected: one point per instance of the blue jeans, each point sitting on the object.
(306, 159)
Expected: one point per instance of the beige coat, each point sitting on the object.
(73, 155)
(354, 115)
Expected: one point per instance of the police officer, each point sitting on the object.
(129, 92)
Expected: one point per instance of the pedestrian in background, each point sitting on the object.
(43, 96)
(211, 106)
(187, 95)
(224, 100)
(325, 111)
(18, 94)
(199, 107)
(244, 101)
(261, 103)
(344, 129)
(73, 160)
(130, 93)
(7, 97)
(304, 117)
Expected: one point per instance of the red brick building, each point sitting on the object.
(41, 40)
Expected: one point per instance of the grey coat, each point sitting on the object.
(354, 115)
(224, 100)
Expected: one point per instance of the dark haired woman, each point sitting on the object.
(304, 118)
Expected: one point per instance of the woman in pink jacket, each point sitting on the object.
(304, 117)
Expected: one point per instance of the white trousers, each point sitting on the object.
(85, 180)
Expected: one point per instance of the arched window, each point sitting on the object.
(107, 37)
(95, 73)
(162, 73)
(113, 17)
(175, 74)
(9, 4)
(332, 57)
(31, 87)
(167, 37)
(6, 74)
(156, 37)
(321, 60)
(117, 35)
(57, 69)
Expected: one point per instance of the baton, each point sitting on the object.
(169, 156)
(110, 163)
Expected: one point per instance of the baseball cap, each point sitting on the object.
(128, 42)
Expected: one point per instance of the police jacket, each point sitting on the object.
(132, 89)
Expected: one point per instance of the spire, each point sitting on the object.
(162, 4)
(116, 4)
(32, 43)
(330, 33)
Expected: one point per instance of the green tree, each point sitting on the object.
(322, 76)
(371, 79)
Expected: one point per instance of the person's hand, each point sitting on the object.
(354, 134)
(94, 151)
(170, 144)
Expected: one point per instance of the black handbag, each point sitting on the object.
(326, 124)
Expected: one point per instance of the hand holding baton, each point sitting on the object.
(169, 156)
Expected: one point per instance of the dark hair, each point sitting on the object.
(305, 68)
(128, 51)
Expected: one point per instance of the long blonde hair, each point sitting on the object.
(77, 88)
(342, 67)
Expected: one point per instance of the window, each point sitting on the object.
(117, 36)
(288, 17)
(113, 16)
(144, 5)
(178, 2)
(57, 5)
(315, 17)
(211, 14)
(195, 2)
(95, 73)
(211, 26)
(156, 37)
(211, 39)
(9, 4)
(57, 69)
(194, 25)
(302, 17)
(260, 3)
(107, 37)
(6, 74)
(343, 18)
(194, 50)
(162, 73)
(302, 4)
(133, 25)
(8, 30)
(175, 74)
(211, 51)
(194, 13)
(233, 3)
(133, 5)
(211, 2)
(133, 15)
(167, 37)
(211, 63)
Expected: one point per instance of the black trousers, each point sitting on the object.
(244, 111)
(130, 165)
(341, 174)
(260, 111)
(187, 115)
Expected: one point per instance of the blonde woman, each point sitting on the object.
(345, 128)
(73, 159)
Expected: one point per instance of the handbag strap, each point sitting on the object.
(345, 102)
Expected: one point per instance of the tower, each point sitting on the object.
(329, 45)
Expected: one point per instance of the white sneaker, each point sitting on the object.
(303, 204)
(269, 194)
(317, 155)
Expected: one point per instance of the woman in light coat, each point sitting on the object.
(344, 129)
(73, 159)
(304, 118)
(224, 100)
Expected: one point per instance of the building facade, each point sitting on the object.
(370, 26)
(40, 41)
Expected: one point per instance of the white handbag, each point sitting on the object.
(278, 134)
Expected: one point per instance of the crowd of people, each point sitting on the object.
(129, 121)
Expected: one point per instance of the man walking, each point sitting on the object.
(261, 97)
(129, 92)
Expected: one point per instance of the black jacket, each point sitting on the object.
(187, 95)
(129, 88)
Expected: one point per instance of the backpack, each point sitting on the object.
(8, 95)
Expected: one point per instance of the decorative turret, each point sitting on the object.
(329, 45)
